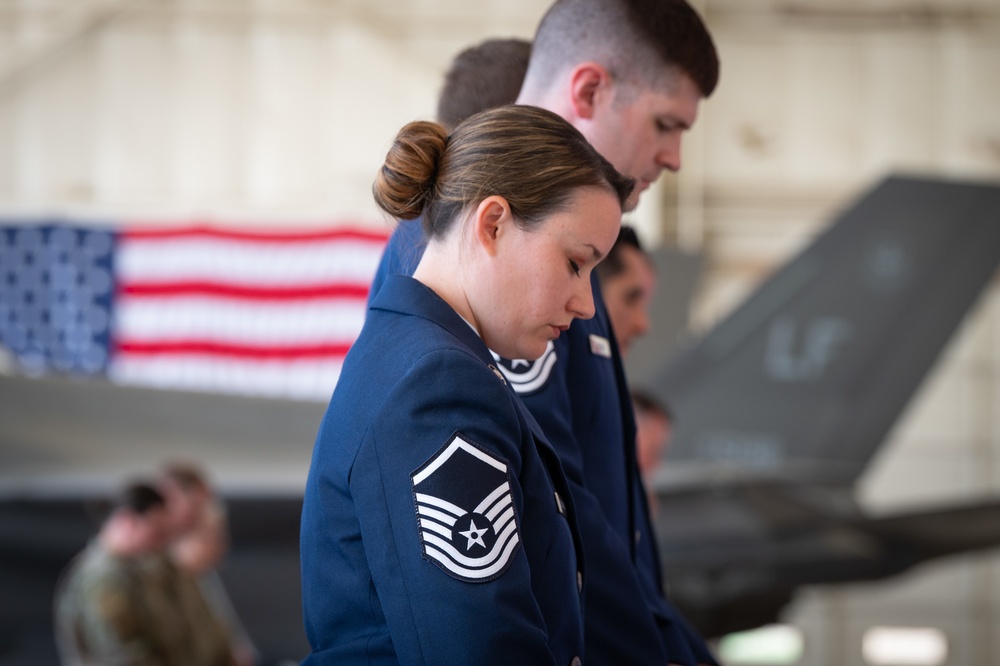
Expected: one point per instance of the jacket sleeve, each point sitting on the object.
(112, 626)
(627, 619)
(401, 254)
(434, 617)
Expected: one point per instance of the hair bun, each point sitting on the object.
(405, 183)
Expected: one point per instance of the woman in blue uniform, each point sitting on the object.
(437, 526)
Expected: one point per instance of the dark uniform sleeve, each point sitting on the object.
(435, 616)
(401, 254)
(627, 619)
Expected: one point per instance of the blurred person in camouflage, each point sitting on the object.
(199, 553)
(105, 610)
(189, 499)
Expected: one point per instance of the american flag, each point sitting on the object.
(187, 307)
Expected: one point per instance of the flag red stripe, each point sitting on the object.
(209, 348)
(255, 236)
(243, 292)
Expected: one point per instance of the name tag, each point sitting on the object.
(600, 346)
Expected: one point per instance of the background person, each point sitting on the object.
(482, 77)
(200, 552)
(654, 427)
(189, 497)
(187, 491)
(628, 282)
(104, 609)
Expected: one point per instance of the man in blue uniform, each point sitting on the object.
(482, 77)
(628, 282)
(630, 75)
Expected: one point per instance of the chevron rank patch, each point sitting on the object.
(465, 511)
(527, 376)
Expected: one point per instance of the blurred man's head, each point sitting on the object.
(203, 547)
(654, 427)
(629, 74)
(482, 77)
(627, 283)
(186, 491)
(138, 523)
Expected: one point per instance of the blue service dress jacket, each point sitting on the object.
(437, 526)
(578, 393)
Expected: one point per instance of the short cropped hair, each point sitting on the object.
(637, 41)
(482, 77)
(138, 497)
(645, 402)
(187, 476)
(613, 263)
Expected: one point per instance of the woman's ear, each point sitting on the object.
(589, 84)
(490, 223)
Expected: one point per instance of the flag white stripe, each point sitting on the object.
(307, 379)
(247, 263)
(239, 322)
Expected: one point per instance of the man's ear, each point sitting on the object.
(490, 222)
(589, 84)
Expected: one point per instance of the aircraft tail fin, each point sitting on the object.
(811, 372)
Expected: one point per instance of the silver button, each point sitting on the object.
(576, 662)
(638, 537)
(579, 581)
(560, 505)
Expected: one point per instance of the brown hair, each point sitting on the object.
(187, 476)
(139, 497)
(645, 402)
(483, 77)
(637, 41)
(613, 264)
(529, 156)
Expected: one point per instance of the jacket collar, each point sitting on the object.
(408, 296)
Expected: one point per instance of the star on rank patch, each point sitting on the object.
(465, 511)
(527, 376)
